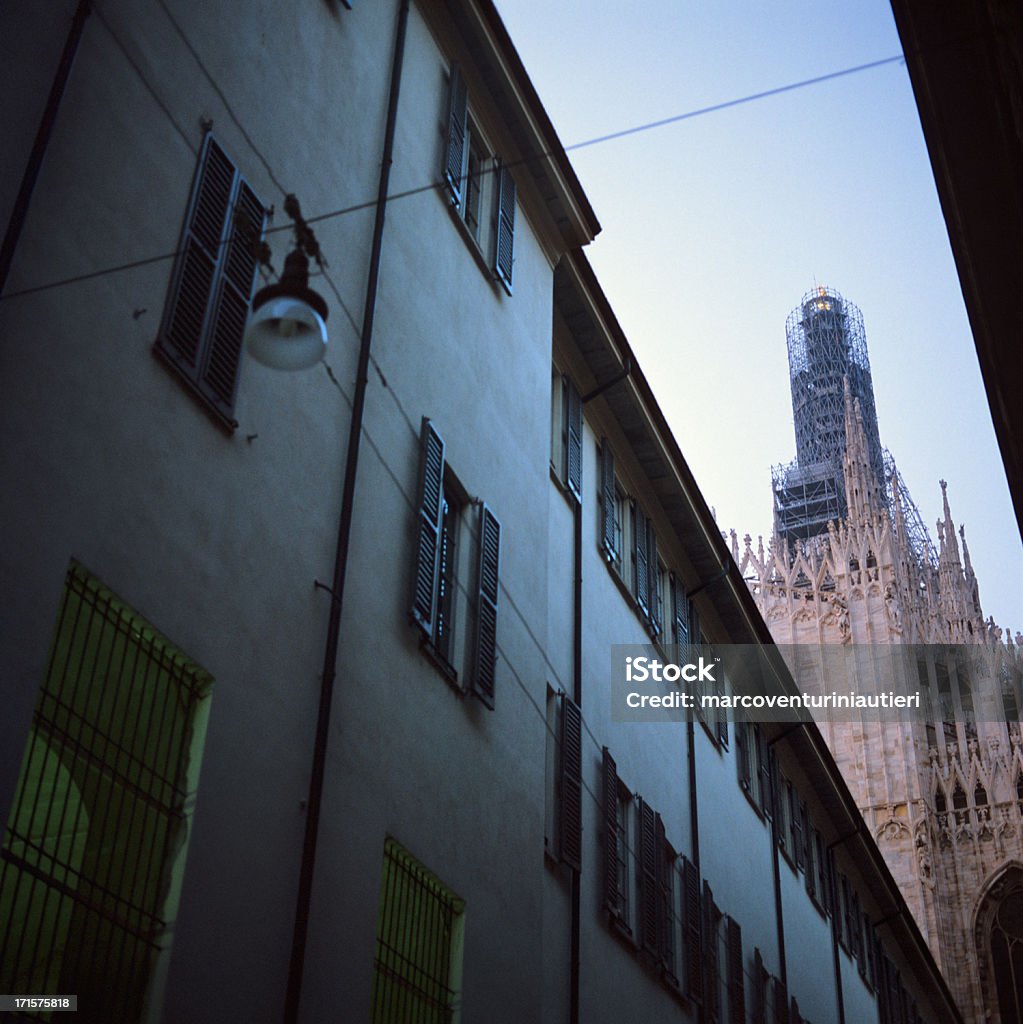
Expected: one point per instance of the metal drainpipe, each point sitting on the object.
(42, 140)
(577, 691)
(305, 884)
(694, 810)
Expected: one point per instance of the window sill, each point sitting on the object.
(472, 243)
(443, 666)
(566, 493)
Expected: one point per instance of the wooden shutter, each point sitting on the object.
(570, 812)
(666, 858)
(208, 302)
(428, 524)
(758, 1000)
(796, 828)
(654, 598)
(763, 755)
(612, 897)
(711, 964)
(608, 503)
(781, 1003)
(693, 930)
(454, 150)
(694, 633)
(648, 895)
(573, 440)
(485, 655)
(742, 753)
(680, 616)
(736, 977)
(504, 247)
(641, 582)
(795, 1017)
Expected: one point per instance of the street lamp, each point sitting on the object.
(287, 329)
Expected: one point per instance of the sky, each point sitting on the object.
(714, 227)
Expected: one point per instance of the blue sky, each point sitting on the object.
(714, 227)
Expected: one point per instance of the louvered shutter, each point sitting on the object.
(742, 753)
(207, 306)
(485, 659)
(504, 246)
(736, 977)
(641, 583)
(763, 754)
(680, 615)
(796, 828)
(694, 633)
(758, 1008)
(608, 503)
(796, 1017)
(711, 964)
(612, 897)
(829, 881)
(648, 894)
(666, 858)
(654, 599)
(570, 816)
(693, 930)
(573, 440)
(454, 150)
(428, 524)
(781, 1003)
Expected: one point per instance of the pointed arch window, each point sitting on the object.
(980, 795)
(959, 797)
(1019, 785)
(940, 805)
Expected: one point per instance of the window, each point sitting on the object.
(567, 434)
(753, 763)
(613, 508)
(95, 844)
(208, 302)
(467, 171)
(455, 584)
(417, 971)
(619, 827)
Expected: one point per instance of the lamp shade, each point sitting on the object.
(286, 333)
(288, 326)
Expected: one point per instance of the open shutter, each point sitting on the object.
(570, 818)
(742, 753)
(711, 964)
(654, 599)
(666, 859)
(758, 1000)
(485, 660)
(764, 761)
(796, 828)
(428, 523)
(693, 930)
(641, 583)
(608, 503)
(649, 902)
(573, 440)
(795, 1017)
(504, 247)
(680, 617)
(736, 977)
(454, 150)
(781, 1003)
(694, 633)
(612, 897)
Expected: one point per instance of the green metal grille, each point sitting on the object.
(98, 818)
(419, 945)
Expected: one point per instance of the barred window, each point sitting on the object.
(94, 845)
(418, 966)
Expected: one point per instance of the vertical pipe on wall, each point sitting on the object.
(19, 212)
(577, 696)
(305, 884)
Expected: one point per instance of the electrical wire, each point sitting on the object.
(420, 189)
